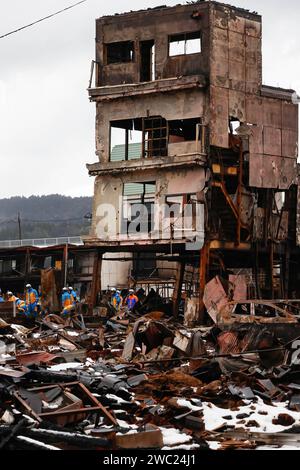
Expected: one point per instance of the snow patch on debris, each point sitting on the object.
(115, 397)
(213, 416)
(187, 404)
(214, 445)
(41, 444)
(182, 447)
(72, 333)
(172, 437)
(66, 366)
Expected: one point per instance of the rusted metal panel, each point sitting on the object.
(81, 400)
(253, 28)
(220, 17)
(268, 171)
(279, 226)
(290, 116)
(254, 110)
(239, 282)
(237, 61)
(141, 440)
(237, 52)
(188, 182)
(256, 140)
(219, 60)
(237, 24)
(237, 105)
(35, 357)
(272, 141)
(215, 297)
(237, 77)
(258, 223)
(290, 143)
(219, 117)
(272, 113)
(253, 65)
(298, 218)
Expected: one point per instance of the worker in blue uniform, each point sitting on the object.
(131, 299)
(31, 299)
(67, 304)
(21, 306)
(1, 297)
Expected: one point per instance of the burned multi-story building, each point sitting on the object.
(197, 159)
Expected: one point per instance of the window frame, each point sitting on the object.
(184, 34)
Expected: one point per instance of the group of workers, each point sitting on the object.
(117, 300)
(29, 306)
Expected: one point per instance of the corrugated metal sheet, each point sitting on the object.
(118, 152)
(136, 189)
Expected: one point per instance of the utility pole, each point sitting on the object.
(19, 225)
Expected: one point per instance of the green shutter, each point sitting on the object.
(118, 152)
(136, 189)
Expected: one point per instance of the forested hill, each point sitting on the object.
(44, 216)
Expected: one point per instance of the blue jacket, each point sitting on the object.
(31, 296)
(66, 299)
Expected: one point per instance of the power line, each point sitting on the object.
(42, 19)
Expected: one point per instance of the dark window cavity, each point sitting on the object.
(120, 52)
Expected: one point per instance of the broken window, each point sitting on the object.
(155, 137)
(185, 43)
(147, 54)
(47, 262)
(120, 52)
(178, 215)
(7, 266)
(126, 139)
(138, 138)
(138, 205)
(234, 124)
(183, 130)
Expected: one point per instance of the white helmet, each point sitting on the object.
(9, 292)
(131, 291)
(70, 288)
(113, 289)
(28, 286)
(65, 288)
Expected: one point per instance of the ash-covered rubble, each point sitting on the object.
(147, 382)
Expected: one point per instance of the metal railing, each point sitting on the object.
(41, 242)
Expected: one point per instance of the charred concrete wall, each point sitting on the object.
(170, 106)
(217, 134)
(158, 25)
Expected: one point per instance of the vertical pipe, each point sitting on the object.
(239, 195)
(271, 254)
(65, 263)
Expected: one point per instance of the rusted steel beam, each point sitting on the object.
(203, 269)
(178, 287)
(96, 281)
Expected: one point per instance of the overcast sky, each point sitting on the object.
(46, 119)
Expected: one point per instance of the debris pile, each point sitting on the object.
(133, 381)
